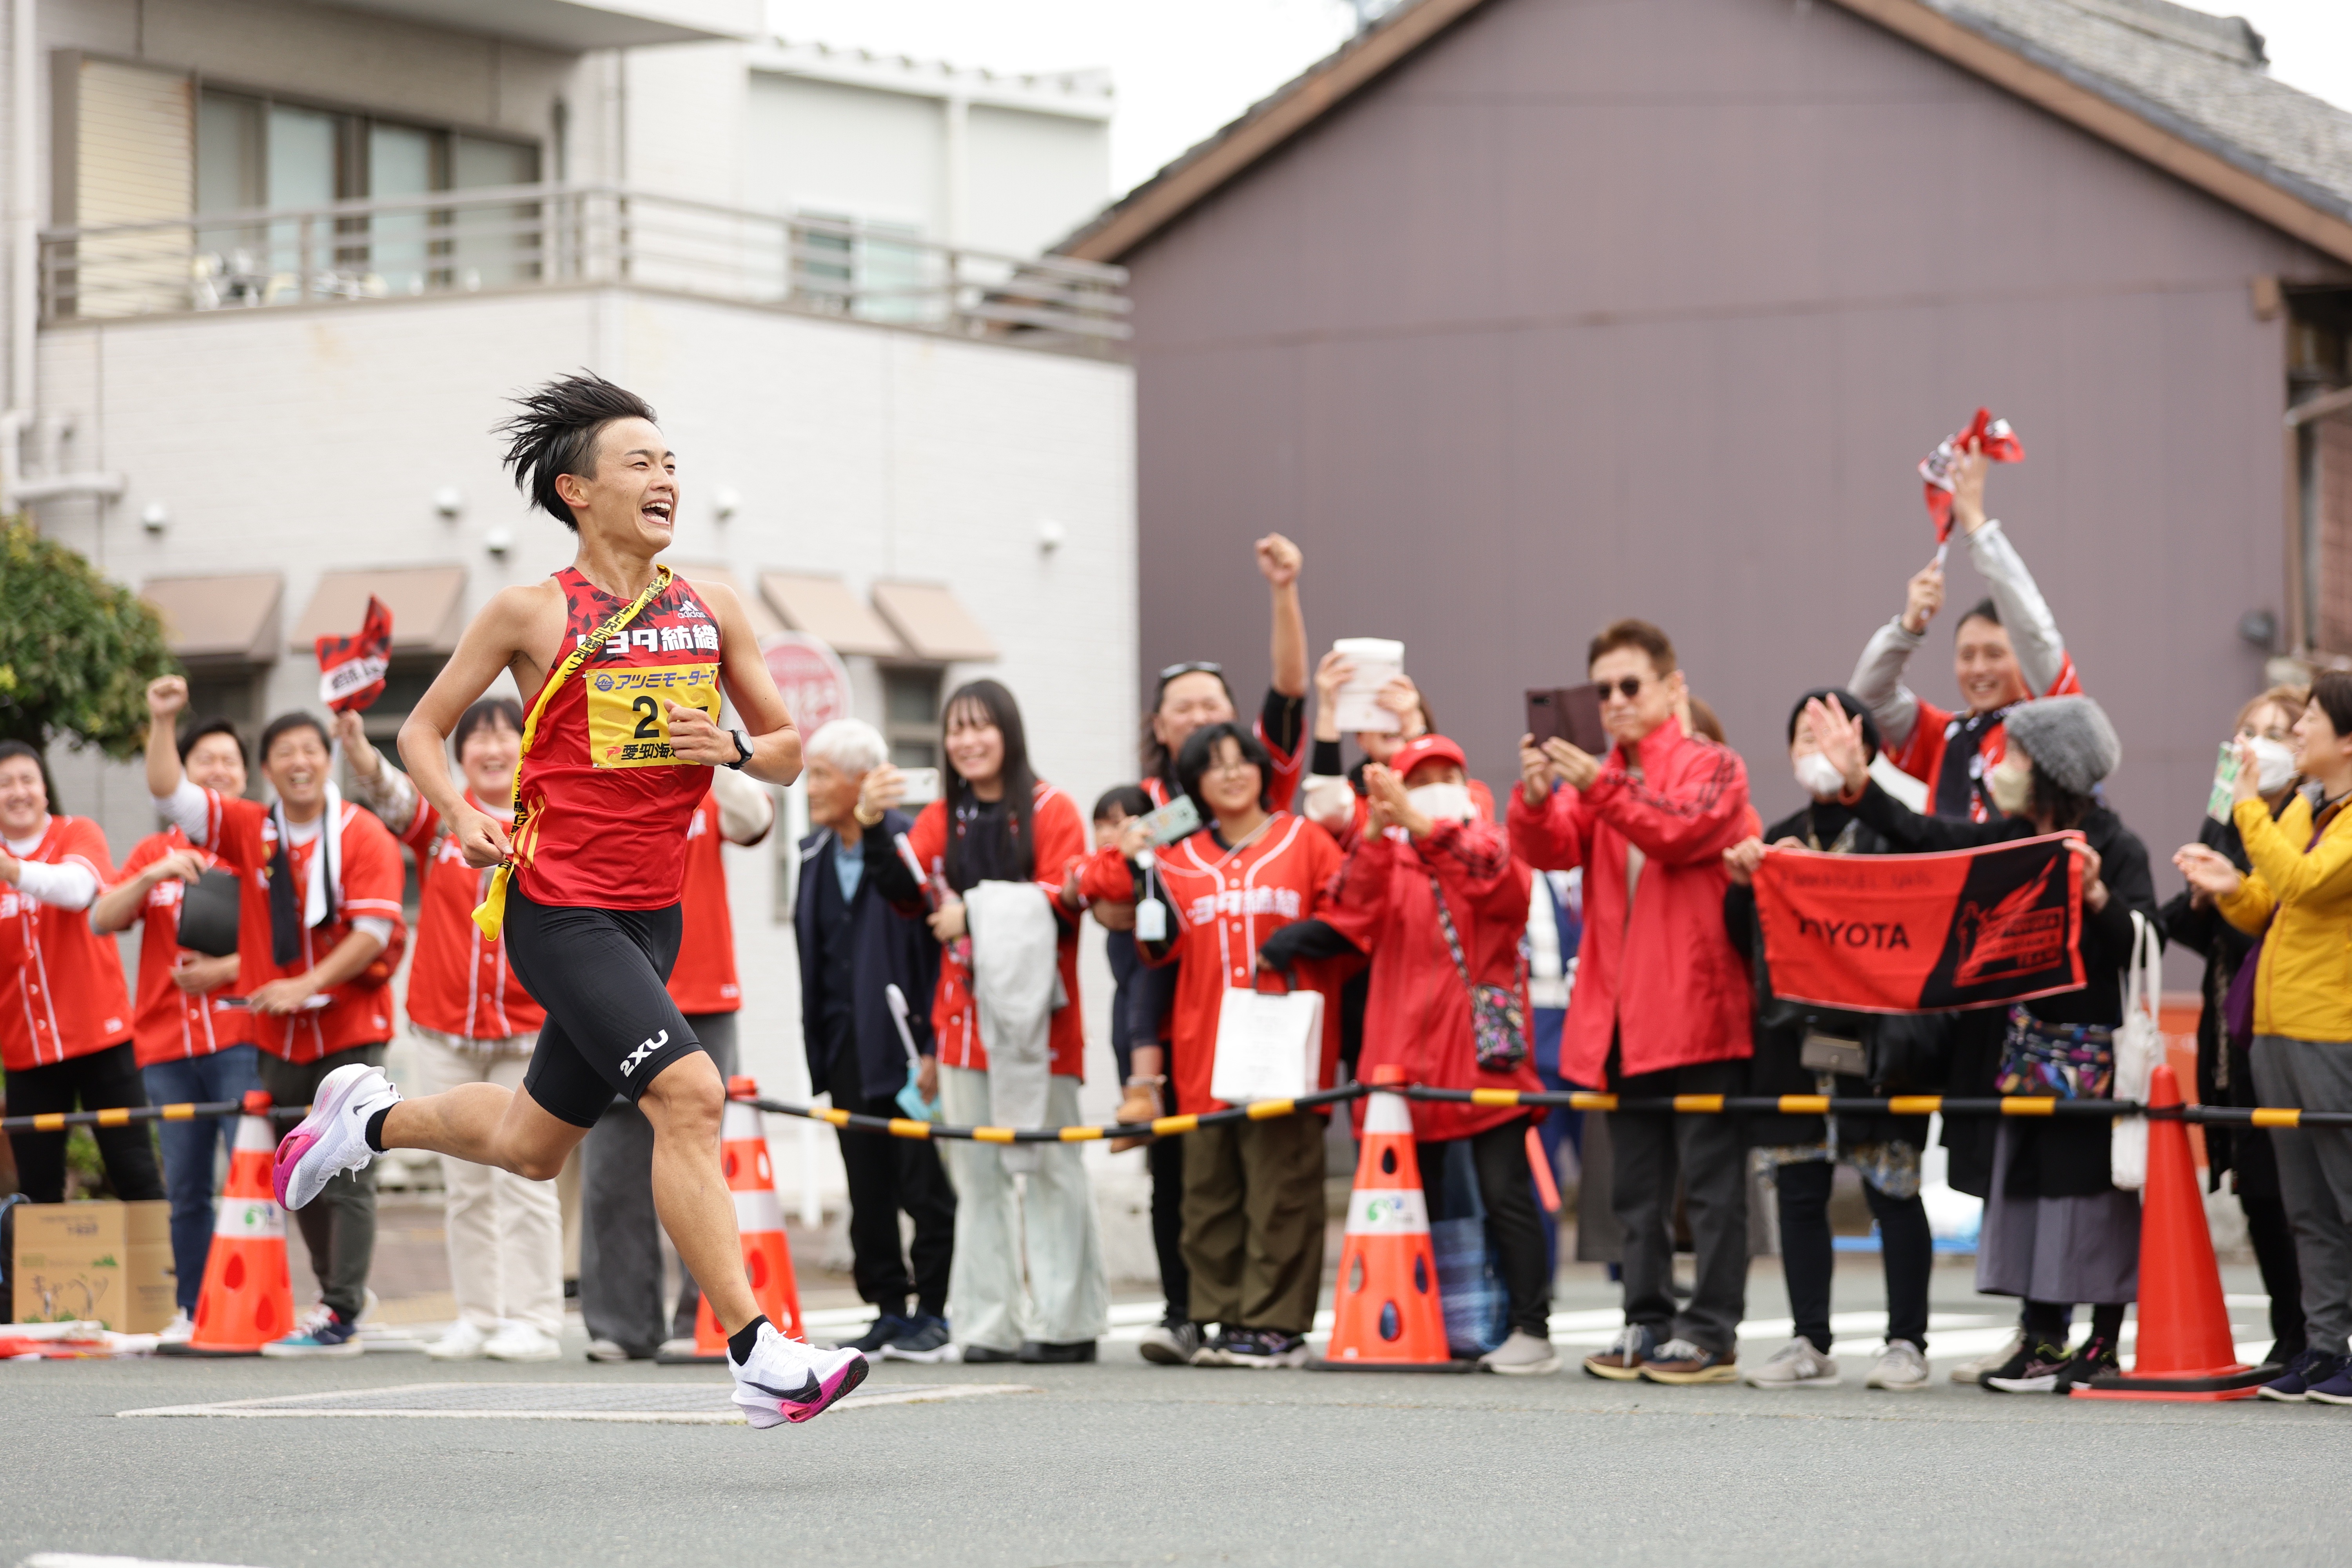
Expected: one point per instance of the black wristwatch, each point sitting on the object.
(742, 751)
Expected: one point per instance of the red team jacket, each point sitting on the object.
(1665, 978)
(1060, 837)
(459, 983)
(1417, 1012)
(61, 989)
(169, 1024)
(359, 1010)
(1222, 903)
(704, 980)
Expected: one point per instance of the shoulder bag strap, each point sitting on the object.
(490, 916)
(1453, 940)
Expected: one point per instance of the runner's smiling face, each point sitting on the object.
(487, 760)
(1986, 666)
(297, 768)
(630, 503)
(24, 799)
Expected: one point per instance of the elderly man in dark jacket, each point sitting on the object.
(853, 947)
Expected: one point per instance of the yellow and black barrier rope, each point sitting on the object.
(908, 1127)
(128, 1115)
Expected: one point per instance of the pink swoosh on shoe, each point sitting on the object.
(290, 1154)
(828, 1390)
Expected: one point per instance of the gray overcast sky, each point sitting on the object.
(1183, 68)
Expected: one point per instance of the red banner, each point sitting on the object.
(350, 669)
(1919, 933)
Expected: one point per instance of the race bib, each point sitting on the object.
(628, 711)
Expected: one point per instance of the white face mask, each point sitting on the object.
(2011, 784)
(1442, 802)
(2276, 761)
(1819, 777)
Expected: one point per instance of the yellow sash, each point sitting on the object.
(491, 914)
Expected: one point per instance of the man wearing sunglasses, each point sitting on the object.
(1662, 999)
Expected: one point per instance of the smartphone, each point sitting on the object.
(1571, 713)
(1173, 823)
(922, 786)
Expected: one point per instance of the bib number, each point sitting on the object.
(628, 711)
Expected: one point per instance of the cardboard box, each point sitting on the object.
(111, 1262)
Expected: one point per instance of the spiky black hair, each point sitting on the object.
(556, 434)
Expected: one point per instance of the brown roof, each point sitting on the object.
(2184, 90)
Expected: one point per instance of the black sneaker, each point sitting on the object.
(2311, 1367)
(1171, 1345)
(1265, 1348)
(889, 1326)
(1047, 1352)
(975, 1355)
(2031, 1370)
(2097, 1358)
(925, 1339)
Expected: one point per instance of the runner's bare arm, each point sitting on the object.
(519, 629)
(767, 724)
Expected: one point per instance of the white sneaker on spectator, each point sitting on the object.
(1521, 1356)
(1969, 1371)
(521, 1342)
(1901, 1366)
(1796, 1364)
(606, 1351)
(676, 1347)
(179, 1330)
(466, 1340)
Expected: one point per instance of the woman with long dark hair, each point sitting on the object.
(994, 852)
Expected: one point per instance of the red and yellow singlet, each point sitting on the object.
(605, 802)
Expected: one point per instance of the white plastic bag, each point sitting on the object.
(2140, 1045)
(1268, 1047)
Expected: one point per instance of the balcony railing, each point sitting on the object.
(533, 236)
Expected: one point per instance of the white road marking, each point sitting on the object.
(83, 1560)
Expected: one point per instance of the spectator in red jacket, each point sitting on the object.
(65, 1015)
(318, 924)
(1662, 1005)
(1433, 893)
(473, 1022)
(194, 1033)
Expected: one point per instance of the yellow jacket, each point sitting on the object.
(2304, 988)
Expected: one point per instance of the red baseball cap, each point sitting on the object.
(1427, 748)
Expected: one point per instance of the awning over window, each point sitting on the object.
(219, 620)
(427, 605)
(825, 608)
(763, 620)
(933, 623)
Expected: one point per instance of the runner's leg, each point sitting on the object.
(686, 1104)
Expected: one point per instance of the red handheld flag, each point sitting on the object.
(1992, 437)
(350, 669)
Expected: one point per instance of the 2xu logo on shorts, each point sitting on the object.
(641, 1052)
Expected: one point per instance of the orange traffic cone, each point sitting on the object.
(1387, 1315)
(759, 1218)
(246, 1300)
(2185, 1349)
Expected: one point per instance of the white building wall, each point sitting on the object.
(313, 440)
(821, 146)
(1035, 177)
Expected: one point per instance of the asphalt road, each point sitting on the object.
(1124, 1463)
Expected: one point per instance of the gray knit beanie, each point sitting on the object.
(2069, 739)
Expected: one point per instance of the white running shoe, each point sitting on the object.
(521, 1342)
(1901, 1366)
(1970, 1371)
(180, 1330)
(1796, 1364)
(465, 1341)
(784, 1380)
(333, 1138)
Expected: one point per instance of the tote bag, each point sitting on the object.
(1268, 1045)
(2140, 1045)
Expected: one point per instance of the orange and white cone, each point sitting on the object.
(1388, 1315)
(248, 1298)
(759, 1220)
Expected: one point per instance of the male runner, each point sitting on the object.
(615, 746)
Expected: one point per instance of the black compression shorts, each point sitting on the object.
(611, 1026)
